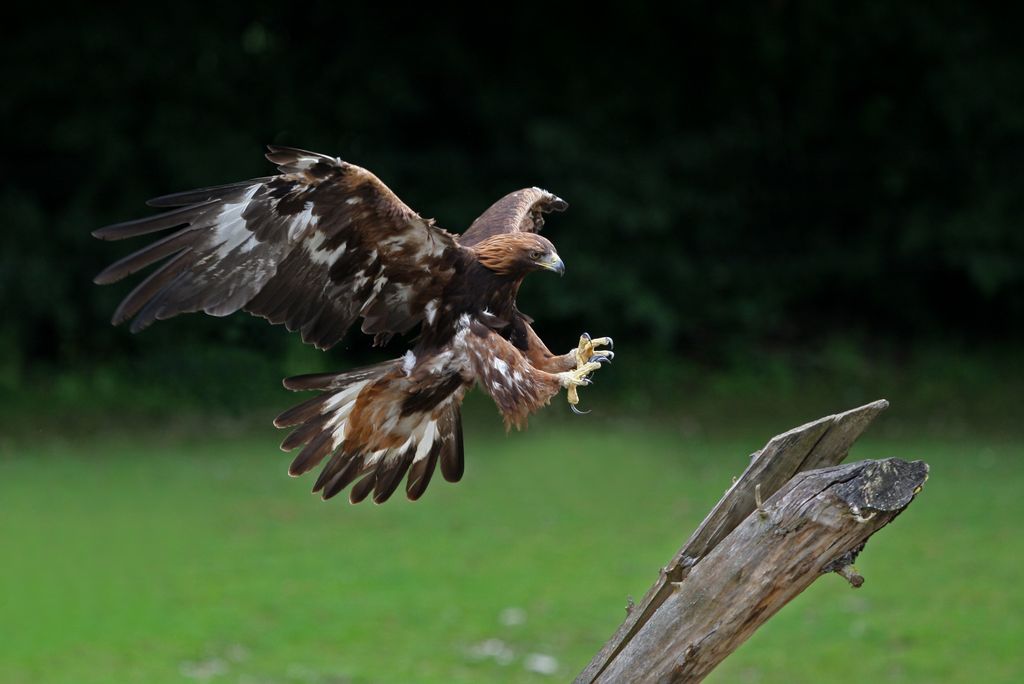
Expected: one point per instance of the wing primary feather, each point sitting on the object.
(452, 456)
(288, 159)
(312, 454)
(422, 470)
(151, 224)
(272, 302)
(157, 308)
(303, 434)
(337, 381)
(310, 381)
(287, 152)
(147, 256)
(343, 477)
(208, 195)
(338, 461)
(363, 488)
(300, 413)
(390, 474)
(150, 287)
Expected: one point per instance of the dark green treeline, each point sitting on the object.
(739, 175)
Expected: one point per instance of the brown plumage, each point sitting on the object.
(326, 243)
(512, 254)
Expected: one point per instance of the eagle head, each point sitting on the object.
(515, 254)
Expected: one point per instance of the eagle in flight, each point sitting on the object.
(324, 243)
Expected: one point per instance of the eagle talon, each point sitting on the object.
(587, 350)
(574, 379)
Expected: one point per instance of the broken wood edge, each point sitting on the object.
(815, 525)
(825, 441)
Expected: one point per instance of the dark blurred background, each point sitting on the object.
(779, 181)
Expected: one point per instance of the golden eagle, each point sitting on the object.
(325, 243)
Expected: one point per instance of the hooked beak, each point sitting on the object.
(553, 263)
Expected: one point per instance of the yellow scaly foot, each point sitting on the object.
(574, 379)
(588, 350)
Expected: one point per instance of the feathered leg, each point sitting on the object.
(517, 386)
(541, 357)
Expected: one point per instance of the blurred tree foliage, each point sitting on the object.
(771, 174)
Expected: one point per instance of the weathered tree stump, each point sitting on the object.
(793, 515)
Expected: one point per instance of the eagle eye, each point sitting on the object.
(535, 255)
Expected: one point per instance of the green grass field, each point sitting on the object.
(149, 557)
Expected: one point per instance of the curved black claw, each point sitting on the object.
(611, 343)
(601, 357)
(577, 411)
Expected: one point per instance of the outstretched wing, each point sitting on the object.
(519, 211)
(315, 248)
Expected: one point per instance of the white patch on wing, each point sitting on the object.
(431, 311)
(397, 240)
(375, 457)
(458, 356)
(301, 221)
(231, 231)
(439, 362)
(408, 362)
(305, 163)
(341, 414)
(345, 395)
(359, 279)
(339, 406)
(377, 286)
(353, 200)
(319, 256)
(501, 366)
(426, 441)
(409, 441)
(461, 331)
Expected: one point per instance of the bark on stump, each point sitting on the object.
(793, 515)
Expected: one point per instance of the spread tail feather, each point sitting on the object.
(399, 441)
